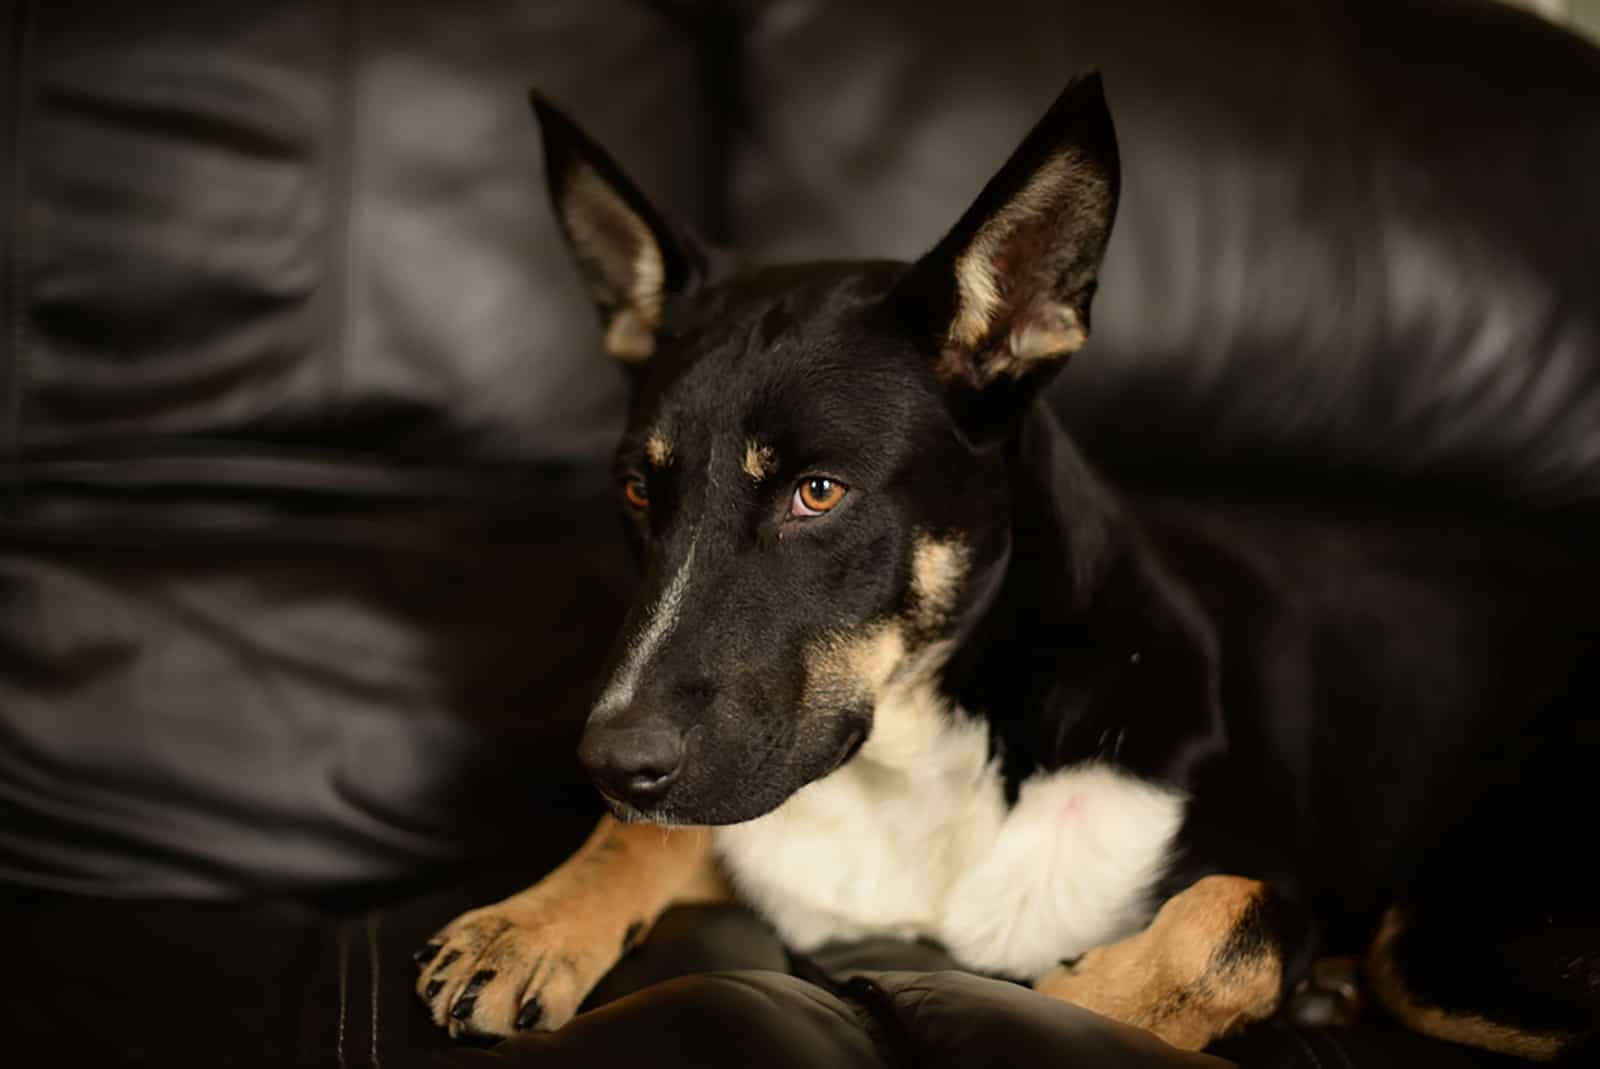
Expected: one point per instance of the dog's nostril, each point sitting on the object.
(650, 768)
(635, 765)
(647, 781)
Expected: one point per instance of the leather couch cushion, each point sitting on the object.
(306, 555)
(133, 984)
(1357, 244)
(324, 221)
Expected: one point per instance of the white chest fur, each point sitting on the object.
(913, 838)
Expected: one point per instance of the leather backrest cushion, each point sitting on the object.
(231, 664)
(1358, 238)
(248, 218)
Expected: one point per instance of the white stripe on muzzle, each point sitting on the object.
(661, 621)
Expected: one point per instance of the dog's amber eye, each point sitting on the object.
(815, 495)
(635, 494)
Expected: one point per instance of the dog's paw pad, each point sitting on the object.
(509, 968)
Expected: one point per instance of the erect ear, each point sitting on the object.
(632, 259)
(1004, 299)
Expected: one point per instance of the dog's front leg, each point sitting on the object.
(1210, 962)
(529, 961)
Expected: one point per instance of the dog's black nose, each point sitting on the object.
(636, 765)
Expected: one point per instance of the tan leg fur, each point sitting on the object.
(1186, 977)
(529, 961)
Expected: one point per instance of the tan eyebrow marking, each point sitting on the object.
(658, 450)
(759, 461)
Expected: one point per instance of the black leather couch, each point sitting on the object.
(306, 554)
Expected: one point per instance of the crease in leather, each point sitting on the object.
(347, 138)
(875, 1011)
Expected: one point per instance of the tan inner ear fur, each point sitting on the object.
(599, 222)
(1046, 329)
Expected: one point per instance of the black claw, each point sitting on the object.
(433, 988)
(531, 1012)
(447, 961)
(630, 938)
(468, 999)
(1071, 963)
(426, 953)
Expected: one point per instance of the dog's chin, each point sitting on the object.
(663, 815)
(748, 801)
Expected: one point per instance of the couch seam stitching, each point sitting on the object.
(343, 168)
(372, 959)
(344, 976)
(1305, 1045)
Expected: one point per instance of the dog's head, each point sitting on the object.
(814, 471)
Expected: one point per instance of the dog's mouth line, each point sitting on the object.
(630, 814)
(852, 746)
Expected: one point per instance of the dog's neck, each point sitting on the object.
(1086, 649)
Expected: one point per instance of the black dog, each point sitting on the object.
(926, 675)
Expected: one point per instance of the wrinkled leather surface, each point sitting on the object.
(306, 561)
(305, 528)
(310, 707)
(277, 985)
(1357, 238)
(290, 219)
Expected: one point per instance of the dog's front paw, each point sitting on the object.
(525, 963)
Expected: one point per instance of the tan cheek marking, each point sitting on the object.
(1390, 989)
(657, 450)
(892, 664)
(855, 666)
(938, 569)
(1179, 977)
(759, 461)
(861, 662)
